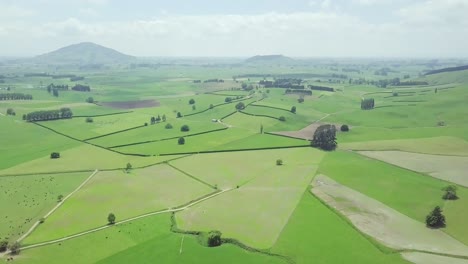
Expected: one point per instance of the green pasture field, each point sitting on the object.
(83, 157)
(315, 233)
(140, 241)
(230, 169)
(157, 131)
(26, 199)
(124, 194)
(267, 188)
(410, 193)
(22, 142)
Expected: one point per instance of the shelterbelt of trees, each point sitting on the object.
(62, 113)
(283, 83)
(15, 96)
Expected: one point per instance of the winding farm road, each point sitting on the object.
(121, 222)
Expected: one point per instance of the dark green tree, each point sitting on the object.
(435, 219)
(450, 193)
(325, 137)
(181, 141)
(293, 109)
(55, 92)
(282, 118)
(54, 155)
(163, 118)
(344, 128)
(214, 238)
(179, 115)
(279, 162)
(89, 120)
(59, 198)
(191, 101)
(240, 106)
(111, 219)
(367, 104)
(90, 100)
(185, 128)
(168, 126)
(128, 167)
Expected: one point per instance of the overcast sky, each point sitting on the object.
(312, 28)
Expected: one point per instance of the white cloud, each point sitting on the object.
(8, 12)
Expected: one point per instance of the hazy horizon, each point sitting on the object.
(385, 29)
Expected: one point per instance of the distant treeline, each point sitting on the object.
(63, 113)
(397, 82)
(451, 69)
(321, 88)
(409, 83)
(81, 88)
(72, 77)
(292, 75)
(291, 83)
(298, 91)
(214, 80)
(15, 96)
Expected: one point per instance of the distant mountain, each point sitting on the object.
(277, 59)
(84, 53)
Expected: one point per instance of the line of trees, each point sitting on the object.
(321, 88)
(51, 87)
(81, 88)
(298, 91)
(15, 96)
(214, 80)
(62, 113)
(292, 83)
(367, 104)
(157, 119)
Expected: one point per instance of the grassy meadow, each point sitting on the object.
(230, 174)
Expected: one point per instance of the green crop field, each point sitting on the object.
(239, 169)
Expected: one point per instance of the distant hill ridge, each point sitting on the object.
(84, 53)
(269, 59)
(451, 69)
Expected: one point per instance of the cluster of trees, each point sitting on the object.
(158, 119)
(247, 87)
(298, 91)
(14, 247)
(36, 75)
(396, 82)
(292, 83)
(63, 113)
(325, 137)
(300, 99)
(321, 88)
(367, 104)
(81, 88)
(15, 96)
(196, 81)
(62, 87)
(214, 80)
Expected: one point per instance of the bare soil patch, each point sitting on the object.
(383, 223)
(448, 168)
(307, 132)
(424, 258)
(131, 104)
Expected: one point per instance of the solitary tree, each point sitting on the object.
(163, 118)
(179, 115)
(279, 162)
(55, 92)
(194, 107)
(15, 248)
(301, 99)
(261, 129)
(435, 219)
(184, 128)
(282, 118)
(111, 219)
(344, 128)
(240, 106)
(293, 109)
(168, 126)
(54, 155)
(191, 101)
(211, 106)
(181, 141)
(325, 137)
(450, 193)
(89, 120)
(90, 100)
(10, 111)
(59, 198)
(129, 167)
(214, 238)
